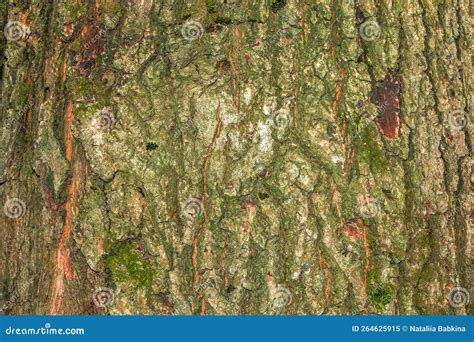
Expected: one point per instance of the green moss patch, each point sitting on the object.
(129, 267)
(380, 294)
(369, 151)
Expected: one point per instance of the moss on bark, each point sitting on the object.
(250, 157)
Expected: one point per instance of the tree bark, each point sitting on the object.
(236, 157)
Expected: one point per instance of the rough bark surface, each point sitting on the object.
(236, 157)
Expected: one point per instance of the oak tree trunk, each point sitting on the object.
(236, 157)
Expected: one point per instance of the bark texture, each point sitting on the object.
(236, 157)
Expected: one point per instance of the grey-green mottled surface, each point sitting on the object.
(229, 157)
